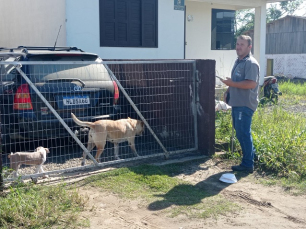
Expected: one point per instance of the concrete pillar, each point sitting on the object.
(260, 39)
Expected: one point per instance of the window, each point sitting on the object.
(222, 29)
(7, 71)
(128, 23)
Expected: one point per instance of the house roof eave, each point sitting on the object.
(272, 22)
(239, 4)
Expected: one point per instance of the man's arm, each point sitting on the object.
(245, 84)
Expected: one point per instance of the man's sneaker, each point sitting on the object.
(242, 168)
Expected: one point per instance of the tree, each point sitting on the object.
(291, 6)
(244, 21)
(245, 18)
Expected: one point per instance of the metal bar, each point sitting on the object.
(165, 153)
(99, 165)
(195, 114)
(1, 163)
(84, 167)
(232, 137)
(55, 114)
(183, 150)
(1, 166)
(11, 54)
(94, 62)
(136, 109)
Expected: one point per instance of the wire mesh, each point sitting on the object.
(163, 93)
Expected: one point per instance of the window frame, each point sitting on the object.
(148, 26)
(215, 34)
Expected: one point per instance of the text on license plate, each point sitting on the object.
(76, 100)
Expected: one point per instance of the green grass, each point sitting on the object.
(292, 185)
(289, 88)
(293, 94)
(160, 191)
(33, 206)
(223, 126)
(223, 135)
(279, 137)
(280, 141)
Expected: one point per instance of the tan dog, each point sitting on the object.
(114, 131)
(38, 158)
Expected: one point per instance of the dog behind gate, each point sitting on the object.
(38, 158)
(114, 131)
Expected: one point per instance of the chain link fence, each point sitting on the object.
(38, 97)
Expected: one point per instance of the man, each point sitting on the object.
(242, 95)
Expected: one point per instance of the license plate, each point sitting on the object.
(76, 100)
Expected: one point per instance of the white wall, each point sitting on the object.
(289, 65)
(83, 32)
(32, 23)
(198, 38)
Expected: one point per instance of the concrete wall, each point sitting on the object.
(32, 23)
(198, 37)
(83, 32)
(289, 65)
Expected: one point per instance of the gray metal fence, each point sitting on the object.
(37, 99)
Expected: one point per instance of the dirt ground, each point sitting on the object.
(261, 206)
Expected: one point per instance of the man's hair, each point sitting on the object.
(246, 38)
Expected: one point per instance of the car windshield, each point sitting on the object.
(53, 71)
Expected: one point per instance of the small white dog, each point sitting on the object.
(38, 158)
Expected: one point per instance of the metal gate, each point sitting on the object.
(37, 99)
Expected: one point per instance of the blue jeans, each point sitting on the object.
(242, 120)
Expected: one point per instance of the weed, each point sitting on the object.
(280, 141)
(291, 88)
(32, 206)
(279, 137)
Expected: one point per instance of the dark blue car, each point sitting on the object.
(87, 90)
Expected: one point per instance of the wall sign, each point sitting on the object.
(179, 5)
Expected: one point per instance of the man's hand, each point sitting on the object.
(228, 81)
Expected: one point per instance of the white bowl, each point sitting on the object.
(228, 178)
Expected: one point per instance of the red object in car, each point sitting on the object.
(116, 94)
(22, 99)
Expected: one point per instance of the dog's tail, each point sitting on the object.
(80, 123)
